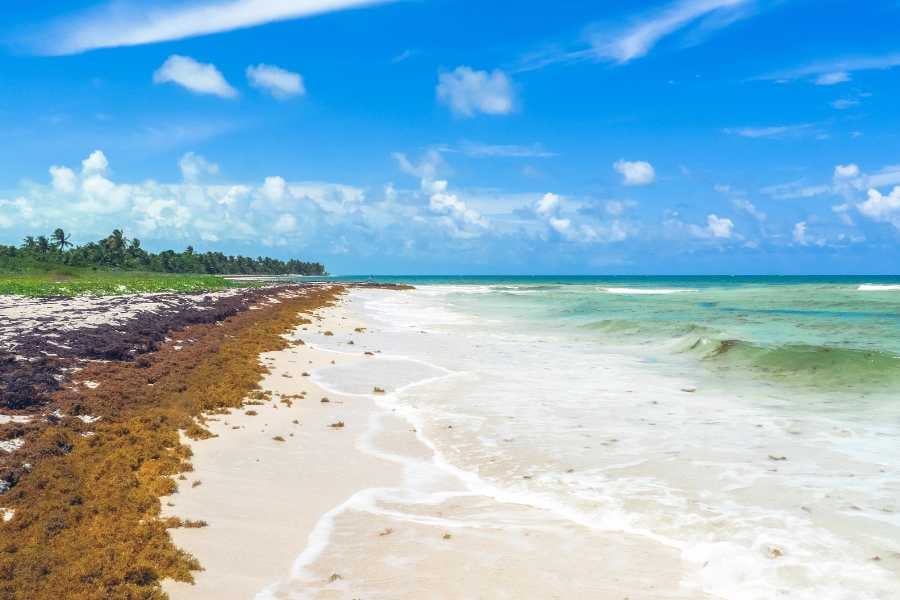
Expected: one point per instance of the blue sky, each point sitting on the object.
(439, 136)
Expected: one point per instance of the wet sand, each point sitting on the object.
(312, 516)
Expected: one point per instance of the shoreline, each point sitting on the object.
(319, 515)
(263, 497)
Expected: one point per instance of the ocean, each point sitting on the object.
(751, 425)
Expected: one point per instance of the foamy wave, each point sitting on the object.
(878, 287)
(646, 291)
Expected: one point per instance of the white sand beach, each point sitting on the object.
(368, 510)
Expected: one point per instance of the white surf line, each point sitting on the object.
(319, 538)
(470, 480)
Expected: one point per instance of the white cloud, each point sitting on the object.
(95, 163)
(442, 202)
(427, 167)
(637, 172)
(771, 131)
(193, 167)
(833, 72)
(832, 79)
(273, 188)
(197, 77)
(845, 171)
(639, 39)
(113, 26)
(547, 205)
(799, 233)
(749, 208)
(64, 179)
(480, 150)
(716, 227)
(468, 92)
(278, 82)
(549, 208)
(879, 207)
(844, 103)
(459, 218)
(285, 223)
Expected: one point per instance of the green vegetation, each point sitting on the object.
(43, 253)
(76, 282)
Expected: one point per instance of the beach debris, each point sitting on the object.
(324, 400)
(360, 330)
(351, 343)
(378, 390)
(689, 389)
(385, 532)
(304, 374)
(774, 552)
(337, 425)
(278, 438)
(446, 536)
(334, 577)
(197, 483)
(327, 333)
(8, 514)
(777, 457)
(251, 413)
(295, 422)
(367, 353)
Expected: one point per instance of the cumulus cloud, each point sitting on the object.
(64, 179)
(286, 222)
(197, 77)
(279, 83)
(193, 167)
(459, 219)
(95, 163)
(637, 172)
(716, 227)
(547, 205)
(469, 92)
(881, 207)
(273, 188)
(845, 171)
(574, 227)
(799, 233)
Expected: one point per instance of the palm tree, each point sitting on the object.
(116, 241)
(28, 243)
(60, 239)
(43, 244)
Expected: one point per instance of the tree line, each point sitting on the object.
(118, 252)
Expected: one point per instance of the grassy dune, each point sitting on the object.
(76, 282)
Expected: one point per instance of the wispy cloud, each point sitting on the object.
(480, 150)
(771, 131)
(636, 39)
(833, 72)
(133, 23)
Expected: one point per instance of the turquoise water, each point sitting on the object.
(827, 333)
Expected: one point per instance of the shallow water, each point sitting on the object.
(751, 429)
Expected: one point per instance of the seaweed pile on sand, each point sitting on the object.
(97, 421)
